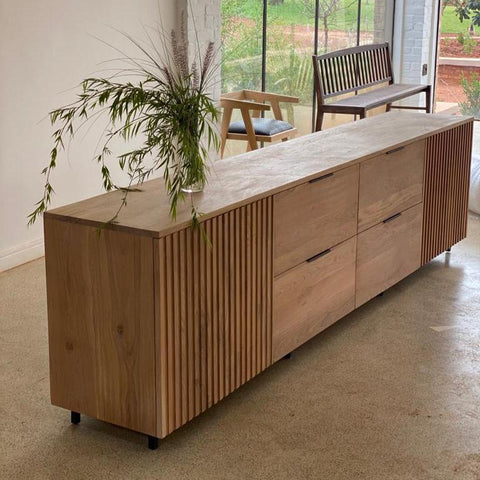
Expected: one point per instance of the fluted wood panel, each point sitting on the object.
(447, 179)
(213, 311)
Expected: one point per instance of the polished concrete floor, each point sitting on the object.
(392, 391)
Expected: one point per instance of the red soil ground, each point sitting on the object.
(451, 47)
(448, 76)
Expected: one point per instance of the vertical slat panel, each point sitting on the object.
(233, 306)
(169, 320)
(183, 327)
(447, 178)
(197, 322)
(190, 326)
(222, 320)
(214, 312)
(161, 338)
(203, 329)
(177, 325)
(209, 318)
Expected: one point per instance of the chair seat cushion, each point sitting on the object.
(262, 126)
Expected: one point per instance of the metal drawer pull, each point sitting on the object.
(318, 255)
(323, 177)
(395, 150)
(393, 217)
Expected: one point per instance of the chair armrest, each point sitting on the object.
(243, 104)
(269, 97)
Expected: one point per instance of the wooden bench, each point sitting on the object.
(355, 69)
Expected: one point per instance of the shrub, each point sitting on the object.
(471, 87)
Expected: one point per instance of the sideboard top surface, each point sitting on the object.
(239, 180)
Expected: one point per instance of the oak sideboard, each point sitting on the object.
(149, 325)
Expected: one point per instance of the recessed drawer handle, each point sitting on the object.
(395, 150)
(323, 177)
(318, 255)
(393, 217)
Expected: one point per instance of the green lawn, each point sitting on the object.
(451, 23)
(300, 12)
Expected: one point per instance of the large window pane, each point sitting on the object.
(295, 30)
(242, 27)
(290, 44)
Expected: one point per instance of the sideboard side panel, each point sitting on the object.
(447, 178)
(213, 311)
(101, 323)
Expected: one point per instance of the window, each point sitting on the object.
(268, 44)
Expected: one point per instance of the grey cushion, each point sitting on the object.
(262, 126)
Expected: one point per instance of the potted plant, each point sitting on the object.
(169, 108)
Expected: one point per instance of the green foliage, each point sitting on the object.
(168, 108)
(468, 10)
(450, 21)
(467, 42)
(342, 13)
(471, 87)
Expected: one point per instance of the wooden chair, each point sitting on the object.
(354, 70)
(252, 128)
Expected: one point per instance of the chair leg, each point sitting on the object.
(319, 122)
(428, 100)
(222, 147)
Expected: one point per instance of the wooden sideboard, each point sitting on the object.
(149, 325)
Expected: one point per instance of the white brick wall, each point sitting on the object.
(415, 42)
(204, 23)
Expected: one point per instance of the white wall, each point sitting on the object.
(46, 48)
(414, 42)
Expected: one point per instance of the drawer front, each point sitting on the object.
(387, 253)
(390, 183)
(313, 217)
(312, 296)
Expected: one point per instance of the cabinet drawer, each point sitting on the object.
(312, 296)
(313, 217)
(390, 183)
(387, 253)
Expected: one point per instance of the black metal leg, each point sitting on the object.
(152, 442)
(287, 356)
(75, 418)
(448, 250)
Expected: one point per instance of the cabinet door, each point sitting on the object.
(388, 252)
(390, 183)
(310, 297)
(314, 216)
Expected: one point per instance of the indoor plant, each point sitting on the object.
(169, 108)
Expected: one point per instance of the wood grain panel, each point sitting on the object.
(390, 183)
(101, 323)
(213, 311)
(447, 179)
(313, 217)
(309, 298)
(387, 253)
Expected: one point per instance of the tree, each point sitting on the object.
(326, 9)
(468, 10)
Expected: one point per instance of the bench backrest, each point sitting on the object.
(351, 69)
